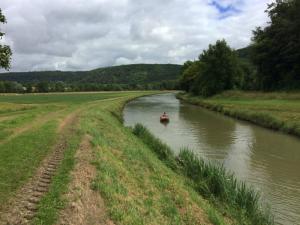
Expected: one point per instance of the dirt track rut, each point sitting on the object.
(23, 207)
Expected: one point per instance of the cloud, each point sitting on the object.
(82, 35)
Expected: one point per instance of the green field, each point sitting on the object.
(136, 186)
(275, 110)
(29, 127)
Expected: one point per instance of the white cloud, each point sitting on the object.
(82, 35)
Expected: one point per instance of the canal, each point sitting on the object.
(265, 159)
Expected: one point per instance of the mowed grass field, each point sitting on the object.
(136, 186)
(280, 111)
(29, 127)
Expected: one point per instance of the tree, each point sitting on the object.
(13, 87)
(189, 75)
(42, 87)
(5, 52)
(2, 87)
(59, 86)
(28, 88)
(220, 70)
(276, 48)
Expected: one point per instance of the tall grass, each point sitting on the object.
(163, 151)
(211, 181)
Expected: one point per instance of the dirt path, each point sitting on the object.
(21, 209)
(85, 206)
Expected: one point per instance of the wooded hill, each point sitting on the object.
(124, 74)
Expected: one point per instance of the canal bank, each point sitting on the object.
(253, 153)
(277, 111)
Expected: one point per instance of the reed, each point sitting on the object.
(211, 180)
(162, 151)
(214, 182)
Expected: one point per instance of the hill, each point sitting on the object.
(124, 74)
(244, 53)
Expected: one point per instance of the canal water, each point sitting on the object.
(265, 159)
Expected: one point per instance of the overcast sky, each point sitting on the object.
(86, 34)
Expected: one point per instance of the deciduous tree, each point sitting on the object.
(5, 51)
(276, 48)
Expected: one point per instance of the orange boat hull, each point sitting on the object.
(164, 119)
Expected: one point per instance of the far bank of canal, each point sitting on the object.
(268, 160)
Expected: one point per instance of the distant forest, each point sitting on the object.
(116, 78)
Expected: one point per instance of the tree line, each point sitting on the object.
(125, 77)
(59, 86)
(270, 63)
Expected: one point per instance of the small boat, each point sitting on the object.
(164, 118)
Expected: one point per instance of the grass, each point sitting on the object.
(53, 202)
(65, 98)
(137, 187)
(211, 181)
(278, 111)
(29, 130)
(139, 182)
(21, 156)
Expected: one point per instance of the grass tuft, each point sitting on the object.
(211, 181)
(162, 151)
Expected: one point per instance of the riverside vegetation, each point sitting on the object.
(140, 182)
(270, 64)
(275, 110)
(212, 181)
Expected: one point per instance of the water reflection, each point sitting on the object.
(212, 130)
(270, 161)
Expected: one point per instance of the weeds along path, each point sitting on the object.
(23, 207)
(85, 206)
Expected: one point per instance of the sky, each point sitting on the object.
(87, 34)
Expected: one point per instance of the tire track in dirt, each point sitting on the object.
(85, 206)
(23, 207)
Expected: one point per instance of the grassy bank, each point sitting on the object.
(278, 111)
(211, 181)
(30, 126)
(140, 183)
(136, 186)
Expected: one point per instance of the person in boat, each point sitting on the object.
(164, 117)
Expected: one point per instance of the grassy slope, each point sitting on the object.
(211, 180)
(279, 111)
(28, 130)
(137, 187)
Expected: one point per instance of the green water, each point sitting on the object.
(265, 159)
